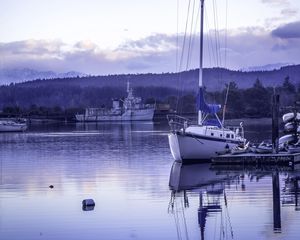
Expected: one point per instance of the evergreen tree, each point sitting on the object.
(257, 100)
(287, 86)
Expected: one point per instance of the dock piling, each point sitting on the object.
(275, 125)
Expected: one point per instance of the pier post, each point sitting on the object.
(275, 125)
(296, 191)
(202, 213)
(276, 202)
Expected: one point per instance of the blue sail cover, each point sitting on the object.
(205, 107)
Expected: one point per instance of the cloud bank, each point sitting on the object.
(290, 30)
(276, 2)
(157, 53)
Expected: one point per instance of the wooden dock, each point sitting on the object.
(281, 158)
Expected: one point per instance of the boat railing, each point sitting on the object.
(178, 123)
(238, 130)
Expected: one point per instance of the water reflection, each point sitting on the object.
(218, 187)
(125, 168)
(87, 208)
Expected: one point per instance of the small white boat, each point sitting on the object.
(263, 147)
(252, 148)
(291, 117)
(12, 126)
(283, 147)
(290, 127)
(294, 148)
(240, 149)
(287, 139)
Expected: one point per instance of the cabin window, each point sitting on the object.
(227, 135)
(232, 136)
(211, 134)
(220, 135)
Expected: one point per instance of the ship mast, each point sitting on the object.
(128, 86)
(201, 59)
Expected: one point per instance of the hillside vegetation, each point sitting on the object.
(249, 96)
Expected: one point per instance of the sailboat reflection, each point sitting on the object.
(291, 191)
(209, 183)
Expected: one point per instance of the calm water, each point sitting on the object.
(127, 170)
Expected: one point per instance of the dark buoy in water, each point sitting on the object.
(51, 186)
(88, 205)
(88, 202)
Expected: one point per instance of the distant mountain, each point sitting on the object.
(20, 75)
(214, 79)
(268, 67)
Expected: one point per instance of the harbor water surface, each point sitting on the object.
(140, 193)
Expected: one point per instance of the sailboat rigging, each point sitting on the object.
(204, 140)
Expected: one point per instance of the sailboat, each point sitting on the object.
(202, 141)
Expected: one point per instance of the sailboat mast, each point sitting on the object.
(201, 58)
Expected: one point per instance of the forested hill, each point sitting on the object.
(250, 92)
(214, 79)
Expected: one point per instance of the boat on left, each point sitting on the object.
(10, 125)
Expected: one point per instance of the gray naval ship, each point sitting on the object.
(132, 110)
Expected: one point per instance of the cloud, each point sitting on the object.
(157, 53)
(276, 2)
(86, 56)
(289, 12)
(154, 43)
(290, 30)
(33, 48)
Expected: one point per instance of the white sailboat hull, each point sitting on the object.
(129, 115)
(188, 149)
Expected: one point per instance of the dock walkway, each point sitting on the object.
(281, 158)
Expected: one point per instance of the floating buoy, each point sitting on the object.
(88, 202)
(88, 205)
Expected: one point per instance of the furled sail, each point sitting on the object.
(205, 107)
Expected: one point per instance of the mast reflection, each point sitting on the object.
(209, 182)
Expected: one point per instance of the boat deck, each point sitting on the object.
(281, 158)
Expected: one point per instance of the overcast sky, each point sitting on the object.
(135, 36)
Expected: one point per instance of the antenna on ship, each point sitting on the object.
(128, 86)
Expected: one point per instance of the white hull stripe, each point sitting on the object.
(210, 138)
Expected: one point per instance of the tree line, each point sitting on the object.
(52, 100)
